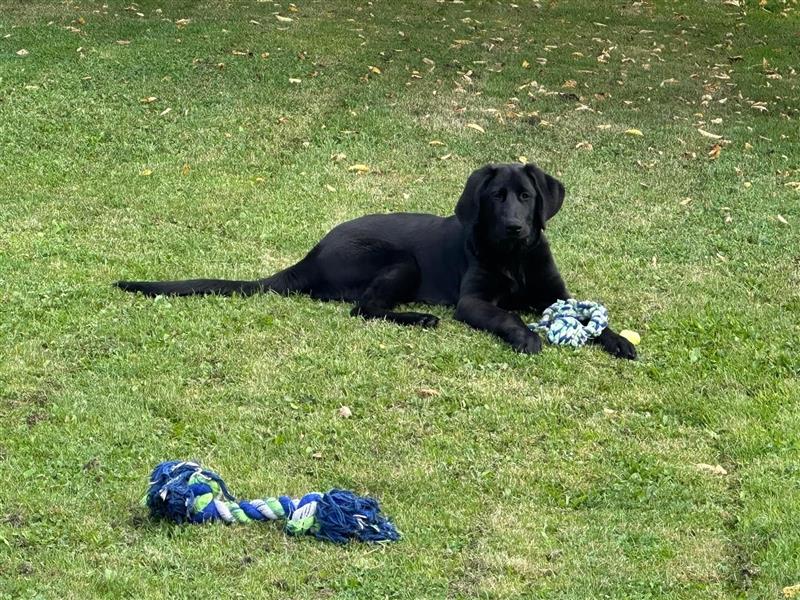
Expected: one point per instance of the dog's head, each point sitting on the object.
(509, 205)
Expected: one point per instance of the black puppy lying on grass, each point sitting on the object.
(489, 259)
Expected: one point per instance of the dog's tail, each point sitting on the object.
(282, 282)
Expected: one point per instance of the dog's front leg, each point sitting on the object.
(486, 316)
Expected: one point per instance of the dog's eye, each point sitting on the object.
(524, 196)
(499, 197)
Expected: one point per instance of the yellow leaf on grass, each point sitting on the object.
(148, 100)
(284, 19)
(436, 143)
(185, 169)
(476, 127)
(358, 168)
(633, 132)
(525, 64)
(22, 52)
(146, 173)
(375, 70)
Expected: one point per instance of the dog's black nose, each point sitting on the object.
(513, 229)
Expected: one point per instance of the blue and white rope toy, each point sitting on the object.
(572, 322)
(184, 492)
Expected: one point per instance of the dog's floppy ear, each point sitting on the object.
(468, 207)
(551, 192)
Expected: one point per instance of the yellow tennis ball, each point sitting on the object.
(630, 335)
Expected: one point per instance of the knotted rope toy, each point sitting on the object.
(572, 322)
(184, 492)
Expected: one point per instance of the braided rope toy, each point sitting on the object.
(563, 322)
(184, 492)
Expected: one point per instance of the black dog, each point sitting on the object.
(489, 259)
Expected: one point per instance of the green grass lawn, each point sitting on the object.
(214, 139)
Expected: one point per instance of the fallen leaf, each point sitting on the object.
(633, 132)
(781, 219)
(714, 153)
(22, 52)
(712, 469)
(436, 143)
(344, 412)
(791, 591)
(295, 80)
(426, 392)
(708, 134)
(124, 42)
(358, 168)
(284, 19)
(146, 173)
(185, 169)
(584, 145)
(476, 127)
(329, 187)
(685, 201)
(748, 185)
(445, 157)
(166, 111)
(338, 156)
(569, 84)
(317, 455)
(265, 55)
(525, 64)
(148, 100)
(375, 70)
(748, 146)
(254, 22)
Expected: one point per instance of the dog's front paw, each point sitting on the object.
(616, 345)
(530, 343)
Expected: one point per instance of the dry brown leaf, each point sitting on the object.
(148, 100)
(344, 412)
(338, 156)
(185, 169)
(708, 134)
(715, 151)
(685, 201)
(476, 127)
(375, 70)
(426, 392)
(712, 469)
(791, 591)
(569, 84)
(584, 145)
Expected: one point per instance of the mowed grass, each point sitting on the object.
(159, 140)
